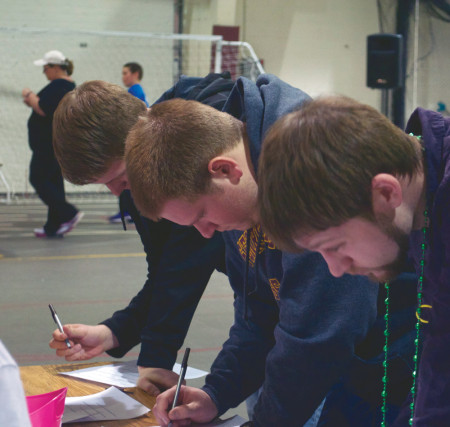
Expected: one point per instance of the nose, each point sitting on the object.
(117, 185)
(338, 265)
(206, 229)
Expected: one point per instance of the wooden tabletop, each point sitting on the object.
(44, 378)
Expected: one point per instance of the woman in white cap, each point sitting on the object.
(45, 174)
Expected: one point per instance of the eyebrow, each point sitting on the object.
(117, 176)
(323, 241)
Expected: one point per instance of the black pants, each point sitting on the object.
(47, 180)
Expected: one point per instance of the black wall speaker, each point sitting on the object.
(384, 61)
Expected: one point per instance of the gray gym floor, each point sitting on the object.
(87, 275)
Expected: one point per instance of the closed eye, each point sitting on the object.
(334, 248)
(198, 218)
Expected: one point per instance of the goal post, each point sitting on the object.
(100, 55)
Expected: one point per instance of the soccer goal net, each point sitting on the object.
(100, 56)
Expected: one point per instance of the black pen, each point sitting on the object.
(180, 379)
(58, 323)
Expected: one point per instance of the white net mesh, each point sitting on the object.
(240, 59)
(96, 55)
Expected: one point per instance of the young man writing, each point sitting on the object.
(90, 128)
(339, 178)
(300, 335)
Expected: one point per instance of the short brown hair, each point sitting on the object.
(134, 67)
(168, 151)
(90, 126)
(317, 165)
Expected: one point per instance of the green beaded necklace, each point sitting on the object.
(417, 339)
(385, 361)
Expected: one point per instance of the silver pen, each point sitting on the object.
(180, 379)
(58, 323)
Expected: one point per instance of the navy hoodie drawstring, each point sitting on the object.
(247, 267)
(131, 209)
(121, 209)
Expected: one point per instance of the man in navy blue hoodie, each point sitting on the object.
(90, 128)
(399, 207)
(299, 335)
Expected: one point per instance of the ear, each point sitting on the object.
(387, 193)
(223, 167)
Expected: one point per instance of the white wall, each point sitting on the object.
(312, 44)
(94, 58)
(433, 76)
(320, 45)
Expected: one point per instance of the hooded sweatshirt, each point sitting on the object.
(296, 326)
(180, 261)
(432, 406)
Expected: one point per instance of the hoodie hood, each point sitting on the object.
(259, 105)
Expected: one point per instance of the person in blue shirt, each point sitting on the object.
(132, 74)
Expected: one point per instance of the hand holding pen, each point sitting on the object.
(195, 405)
(180, 378)
(87, 341)
(58, 323)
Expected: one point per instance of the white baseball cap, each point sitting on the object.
(54, 57)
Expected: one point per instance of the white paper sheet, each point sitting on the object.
(110, 404)
(191, 373)
(123, 374)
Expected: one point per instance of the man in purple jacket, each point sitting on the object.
(337, 177)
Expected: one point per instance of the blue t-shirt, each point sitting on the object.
(138, 92)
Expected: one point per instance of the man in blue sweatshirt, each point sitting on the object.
(90, 128)
(299, 335)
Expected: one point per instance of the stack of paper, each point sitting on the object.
(110, 404)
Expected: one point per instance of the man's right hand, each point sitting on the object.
(87, 341)
(194, 405)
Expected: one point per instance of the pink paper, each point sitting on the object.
(46, 410)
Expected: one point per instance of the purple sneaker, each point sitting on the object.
(65, 227)
(40, 233)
